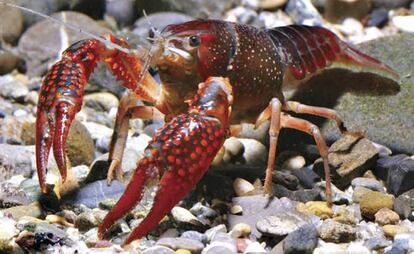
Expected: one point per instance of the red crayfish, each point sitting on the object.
(242, 71)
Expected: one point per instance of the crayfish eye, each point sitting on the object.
(194, 41)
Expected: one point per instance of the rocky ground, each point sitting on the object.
(227, 212)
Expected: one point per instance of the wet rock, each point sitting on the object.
(42, 42)
(349, 158)
(337, 10)
(233, 151)
(221, 242)
(182, 251)
(286, 179)
(393, 230)
(386, 216)
(372, 202)
(333, 231)
(283, 223)
(92, 193)
(101, 101)
(12, 88)
(376, 243)
(303, 240)
(158, 250)
(303, 12)
(194, 235)
(398, 171)
(12, 128)
(12, 24)
(367, 230)
(181, 243)
(358, 194)
(202, 211)
(368, 183)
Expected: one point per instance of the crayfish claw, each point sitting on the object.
(112, 171)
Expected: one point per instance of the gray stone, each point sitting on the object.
(12, 24)
(12, 195)
(333, 231)
(101, 101)
(368, 183)
(202, 211)
(403, 205)
(16, 160)
(85, 221)
(303, 12)
(123, 11)
(158, 250)
(181, 243)
(12, 88)
(348, 158)
(399, 171)
(44, 227)
(395, 4)
(301, 241)
(194, 235)
(377, 243)
(280, 224)
(286, 179)
(210, 233)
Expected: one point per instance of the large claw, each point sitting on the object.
(181, 152)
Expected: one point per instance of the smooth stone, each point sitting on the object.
(307, 177)
(395, 4)
(13, 88)
(303, 12)
(195, 235)
(403, 205)
(182, 251)
(217, 249)
(368, 183)
(33, 210)
(12, 195)
(240, 230)
(203, 211)
(336, 10)
(330, 248)
(386, 216)
(233, 150)
(12, 24)
(102, 101)
(255, 153)
(373, 201)
(378, 17)
(255, 248)
(271, 4)
(210, 233)
(185, 217)
(347, 214)
(10, 61)
(16, 160)
(357, 248)
(124, 11)
(338, 196)
(349, 158)
(333, 231)
(243, 187)
(181, 243)
(318, 208)
(393, 230)
(395, 250)
(46, 228)
(226, 240)
(7, 231)
(286, 179)
(282, 223)
(403, 23)
(303, 240)
(93, 193)
(86, 221)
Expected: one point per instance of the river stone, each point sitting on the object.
(280, 224)
(11, 24)
(387, 120)
(181, 243)
(301, 241)
(43, 42)
(333, 231)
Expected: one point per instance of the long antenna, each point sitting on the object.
(69, 26)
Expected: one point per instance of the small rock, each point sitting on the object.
(377, 243)
(403, 205)
(46, 228)
(368, 183)
(281, 223)
(395, 4)
(318, 208)
(255, 153)
(236, 209)
(358, 193)
(158, 250)
(286, 179)
(12, 88)
(181, 243)
(395, 250)
(80, 146)
(85, 221)
(293, 162)
(307, 177)
(393, 230)
(347, 214)
(240, 230)
(386, 216)
(9, 62)
(271, 4)
(378, 17)
(12, 24)
(202, 211)
(185, 217)
(123, 11)
(7, 232)
(398, 171)
(333, 231)
(210, 233)
(373, 201)
(32, 210)
(349, 157)
(336, 10)
(233, 150)
(329, 248)
(303, 240)
(182, 251)
(243, 187)
(194, 235)
(357, 248)
(404, 23)
(101, 101)
(338, 196)
(303, 12)
(255, 248)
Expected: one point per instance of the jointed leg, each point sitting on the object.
(288, 121)
(128, 109)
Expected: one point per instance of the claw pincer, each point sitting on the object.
(180, 153)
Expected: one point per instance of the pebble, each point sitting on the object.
(333, 231)
(243, 187)
(282, 223)
(195, 235)
(386, 216)
(368, 183)
(47, 228)
(395, 250)
(33, 210)
(302, 240)
(378, 18)
(338, 196)
(224, 240)
(330, 248)
(185, 217)
(402, 205)
(286, 179)
(271, 4)
(7, 231)
(102, 101)
(181, 243)
(336, 10)
(12, 24)
(85, 221)
(240, 230)
(303, 12)
(376, 243)
(203, 211)
(9, 61)
(211, 232)
(397, 171)
(255, 248)
(255, 153)
(12, 88)
(318, 208)
(393, 230)
(373, 201)
(347, 214)
(182, 251)
(236, 209)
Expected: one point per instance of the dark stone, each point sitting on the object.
(301, 241)
(378, 17)
(286, 179)
(399, 171)
(303, 195)
(404, 204)
(394, 4)
(91, 194)
(307, 177)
